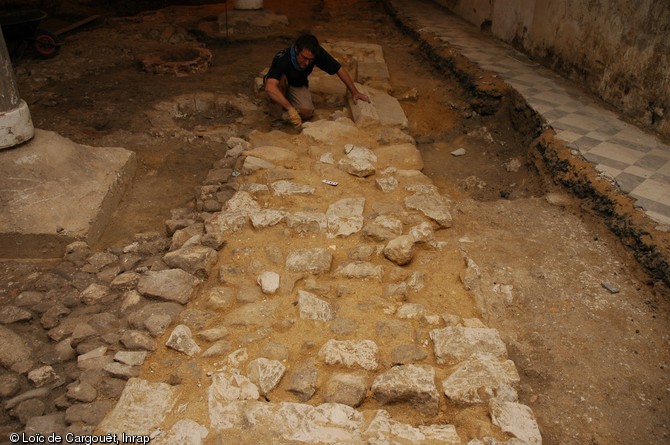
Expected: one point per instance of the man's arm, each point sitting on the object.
(346, 79)
(272, 90)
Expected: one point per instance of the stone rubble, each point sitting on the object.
(197, 320)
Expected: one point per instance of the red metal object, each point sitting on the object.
(21, 28)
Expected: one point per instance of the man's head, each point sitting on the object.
(306, 49)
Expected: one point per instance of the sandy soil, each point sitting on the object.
(594, 364)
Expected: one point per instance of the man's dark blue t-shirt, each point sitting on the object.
(282, 65)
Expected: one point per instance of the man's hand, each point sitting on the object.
(360, 96)
(294, 117)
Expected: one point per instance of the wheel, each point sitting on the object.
(47, 44)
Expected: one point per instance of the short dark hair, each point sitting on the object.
(307, 41)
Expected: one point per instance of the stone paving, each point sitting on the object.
(250, 322)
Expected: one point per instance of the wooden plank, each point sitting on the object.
(77, 24)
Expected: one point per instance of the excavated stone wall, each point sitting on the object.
(618, 50)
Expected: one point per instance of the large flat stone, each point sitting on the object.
(54, 191)
(141, 408)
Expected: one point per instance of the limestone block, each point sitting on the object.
(220, 224)
(197, 260)
(183, 432)
(138, 318)
(327, 132)
(214, 334)
(269, 282)
(387, 184)
(252, 164)
(229, 386)
(411, 311)
(267, 218)
(121, 370)
(138, 340)
(316, 260)
(288, 422)
(422, 233)
(141, 408)
(288, 188)
(360, 269)
(265, 373)
(42, 375)
(357, 152)
(171, 285)
(410, 384)
(516, 419)
(345, 216)
(218, 349)
(433, 206)
(357, 167)
(454, 344)
(365, 114)
(350, 353)
(383, 109)
(312, 307)
(181, 340)
(255, 188)
(81, 392)
(94, 293)
(389, 110)
(242, 202)
(400, 250)
(125, 281)
(133, 358)
(383, 429)
(480, 378)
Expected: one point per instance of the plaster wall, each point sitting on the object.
(617, 49)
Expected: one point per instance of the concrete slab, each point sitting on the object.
(54, 191)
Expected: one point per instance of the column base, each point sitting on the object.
(16, 126)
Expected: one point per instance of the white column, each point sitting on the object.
(16, 126)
